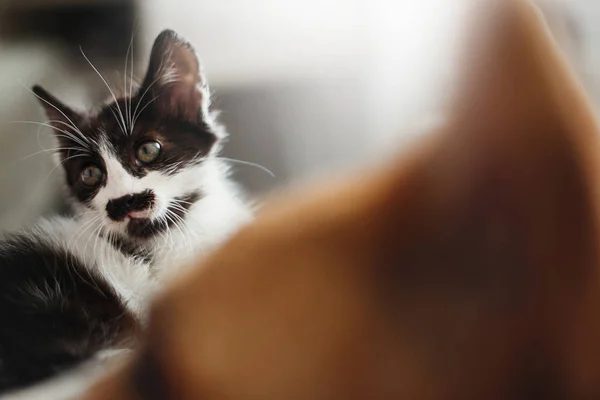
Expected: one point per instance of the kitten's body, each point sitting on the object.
(149, 196)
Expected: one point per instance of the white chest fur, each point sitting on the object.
(210, 221)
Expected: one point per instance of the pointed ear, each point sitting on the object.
(175, 79)
(63, 119)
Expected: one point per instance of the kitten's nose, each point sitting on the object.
(135, 205)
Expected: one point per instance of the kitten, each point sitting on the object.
(149, 194)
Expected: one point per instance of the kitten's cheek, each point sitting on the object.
(158, 208)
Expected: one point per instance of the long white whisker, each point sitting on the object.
(80, 231)
(96, 235)
(109, 89)
(68, 135)
(144, 94)
(179, 208)
(251, 164)
(49, 124)
(177, 220)
(54, 150)
(38, 138)
(112, 243)
(81, 214)
(185, 214)
(62, 163)
(176, 204)
(75, 269)
(170, 213)
(83, 228)
(130, 49)
(166, 220)
(77, 131)
(183, 202)
(131, 83)
(142, 110)
(56, 108)
(125, 77)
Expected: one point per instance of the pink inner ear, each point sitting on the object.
(186, 66)
(175, 79)
(183, 96)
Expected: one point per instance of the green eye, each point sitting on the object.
(92, 175)
(148, 152)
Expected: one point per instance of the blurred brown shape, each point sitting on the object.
(468, 270)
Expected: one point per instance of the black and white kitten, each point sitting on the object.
(149, 195)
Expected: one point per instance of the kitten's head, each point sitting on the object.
(139, 160)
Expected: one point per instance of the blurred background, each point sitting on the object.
(307, 88)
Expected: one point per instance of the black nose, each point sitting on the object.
(117, 209)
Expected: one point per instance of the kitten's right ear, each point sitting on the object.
(60, 116)
(174, 81)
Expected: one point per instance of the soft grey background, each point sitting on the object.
(307, 88)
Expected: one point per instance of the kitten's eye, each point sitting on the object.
(92, 175)
(148, 152)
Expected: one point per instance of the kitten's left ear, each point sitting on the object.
(62, 118)
(175, 79)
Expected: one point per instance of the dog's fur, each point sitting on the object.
(468, 270)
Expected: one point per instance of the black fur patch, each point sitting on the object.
(118, 209)
(54, 313)
(145, 228)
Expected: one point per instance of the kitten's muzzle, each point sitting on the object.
(137, 205)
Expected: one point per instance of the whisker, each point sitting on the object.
(248, 163)
(177, 222)
(96, 234)
(83, 228)
(164, 219)
(131, 80)
(182, 201)
(180, 208)
(125, 75)
(109, 89)
(92, 283)
(171, 213)
(77, 131)
(142, 110)
(62, 162)
(57, 109)
(69, 126)
(68, 135)
(144, 95)
(81, 214)
(54, 150)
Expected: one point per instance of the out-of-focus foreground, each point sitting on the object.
(306, 87)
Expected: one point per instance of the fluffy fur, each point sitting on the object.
(74, 287)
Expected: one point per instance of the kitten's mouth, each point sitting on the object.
(141, 225)
(143, 214)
